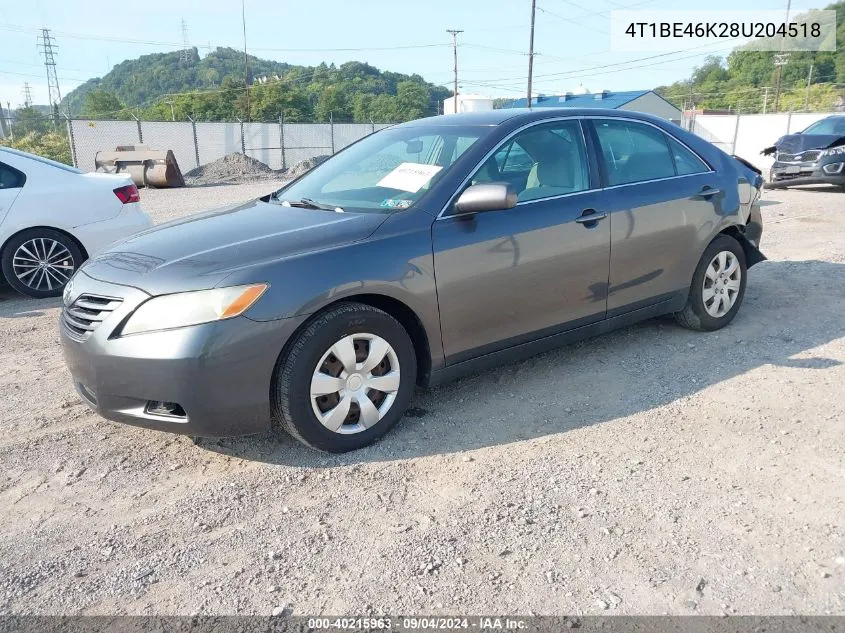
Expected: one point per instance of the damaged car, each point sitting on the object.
(815, 156)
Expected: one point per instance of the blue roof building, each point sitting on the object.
(636, 100)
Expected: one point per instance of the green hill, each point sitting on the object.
(746, 79)
(211, 88)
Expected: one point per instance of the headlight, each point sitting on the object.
(834, 151)
(191, 308)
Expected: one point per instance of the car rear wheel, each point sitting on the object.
(346, 379)
(40, 262)
(718, 287)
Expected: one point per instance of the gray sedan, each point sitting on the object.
(422, 252)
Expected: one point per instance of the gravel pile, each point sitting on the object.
(305, 165)
(233, 168)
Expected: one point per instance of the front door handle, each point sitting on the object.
(590, 218)
(706, 192)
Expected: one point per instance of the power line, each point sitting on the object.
(185, 46)
(27, 95)
(45, 44)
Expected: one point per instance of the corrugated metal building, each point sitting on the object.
(636, 100)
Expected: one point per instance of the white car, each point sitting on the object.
(54, 217)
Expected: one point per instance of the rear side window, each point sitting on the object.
(10, 178)
(633, 152)
(685, 161)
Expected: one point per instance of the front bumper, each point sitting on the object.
(828, 171)
(219, 373)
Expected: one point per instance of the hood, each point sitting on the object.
(795, 143)
(200, 251)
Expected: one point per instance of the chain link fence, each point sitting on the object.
(277, 145)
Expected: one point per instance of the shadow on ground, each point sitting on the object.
(790, 308)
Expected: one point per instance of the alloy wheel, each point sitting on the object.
(43, 264)
(355, 383)
(722, 282)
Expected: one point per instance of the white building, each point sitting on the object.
(467, 103)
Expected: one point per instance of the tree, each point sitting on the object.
(30, 120)
(101, 104)
(332, 104)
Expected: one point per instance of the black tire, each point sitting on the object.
(75, 260)
(694, 316)
(291, 388)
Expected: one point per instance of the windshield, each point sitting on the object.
(387, 171)
(832, 125)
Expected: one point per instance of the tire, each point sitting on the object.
(698, 313)
(23, 251)
(311, 357)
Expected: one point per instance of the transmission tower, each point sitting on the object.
(48, 49)
(185, 47)
(27, 95)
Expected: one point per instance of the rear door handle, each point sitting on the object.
(589, 216)
(706, 192)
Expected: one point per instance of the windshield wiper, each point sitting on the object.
(308, 203)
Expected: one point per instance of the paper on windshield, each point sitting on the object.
(409, 176)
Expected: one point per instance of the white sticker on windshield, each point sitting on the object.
(409, 176)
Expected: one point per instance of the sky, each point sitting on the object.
(572, 41)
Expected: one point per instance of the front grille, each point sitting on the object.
(810, 156)
(85, 314)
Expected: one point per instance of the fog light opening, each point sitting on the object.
(833, 168)
(168, 409)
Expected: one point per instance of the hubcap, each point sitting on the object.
(43, 264)
(722, 282)
(355, 383)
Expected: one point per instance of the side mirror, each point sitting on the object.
(492, 196)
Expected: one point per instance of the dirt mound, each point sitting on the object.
(231, 169)
(305, 165)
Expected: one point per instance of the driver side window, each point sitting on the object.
(543, 161)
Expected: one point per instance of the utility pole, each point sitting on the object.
(781, 59)
(246, 60)
(531, 51)
(27, 95)
(454, 33)
(45, 44)
(807, 97)
(172, 113)
(765, 98)
(11, 122)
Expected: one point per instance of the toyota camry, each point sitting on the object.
(422, 252)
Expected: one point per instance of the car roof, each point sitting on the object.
(517, 115)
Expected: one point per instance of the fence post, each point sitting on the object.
(243, 141)
(788, 121)
(140, 133)
(331, 127)
(282, 137)
(372, 126)
(196, 142)
(72, 142)
(736, 132)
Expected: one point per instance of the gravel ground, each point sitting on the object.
(652, 470)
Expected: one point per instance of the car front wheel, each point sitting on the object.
(40, 262)
(346, 379)
(718, 286)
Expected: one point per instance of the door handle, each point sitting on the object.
(706, 192)
(590, 217)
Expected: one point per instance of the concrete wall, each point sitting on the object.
(651, 103)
